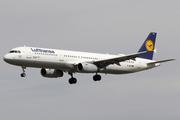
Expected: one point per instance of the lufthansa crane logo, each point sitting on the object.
(149, 45)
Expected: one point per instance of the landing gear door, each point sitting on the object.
(61, 56)
(28, 53)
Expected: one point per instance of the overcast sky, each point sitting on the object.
(103, 26)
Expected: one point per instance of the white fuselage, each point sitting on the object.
(67, 60)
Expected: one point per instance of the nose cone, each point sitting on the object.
(7, 58)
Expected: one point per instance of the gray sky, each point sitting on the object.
(101, 26)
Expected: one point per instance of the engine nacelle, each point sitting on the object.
(87, 68)
(51, 73)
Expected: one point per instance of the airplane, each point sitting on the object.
(54, 63)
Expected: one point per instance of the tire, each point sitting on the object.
(72, 81)
(23, 75)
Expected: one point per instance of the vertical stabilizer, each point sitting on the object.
(148, 45)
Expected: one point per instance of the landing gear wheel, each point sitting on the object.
(72, 81)
(23, 74)
(24, 69)
(96, 77)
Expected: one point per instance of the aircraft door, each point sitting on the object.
(28, 53)
(61, 56)
(139, 64)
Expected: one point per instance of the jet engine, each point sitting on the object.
(51, 73)
(87, 68)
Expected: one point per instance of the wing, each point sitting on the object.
(105, 62)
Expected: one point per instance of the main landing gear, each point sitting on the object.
(96, 77)
(23, 74)
(72, 80)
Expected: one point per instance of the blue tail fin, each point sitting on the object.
(148, 45)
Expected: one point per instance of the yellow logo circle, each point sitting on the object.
(149, 45)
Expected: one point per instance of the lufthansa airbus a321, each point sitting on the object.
(54, 63)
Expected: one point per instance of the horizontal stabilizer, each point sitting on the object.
(160, 61)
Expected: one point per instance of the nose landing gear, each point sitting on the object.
(23, 74)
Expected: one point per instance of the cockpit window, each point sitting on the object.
(12, 51)
(15, 51)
